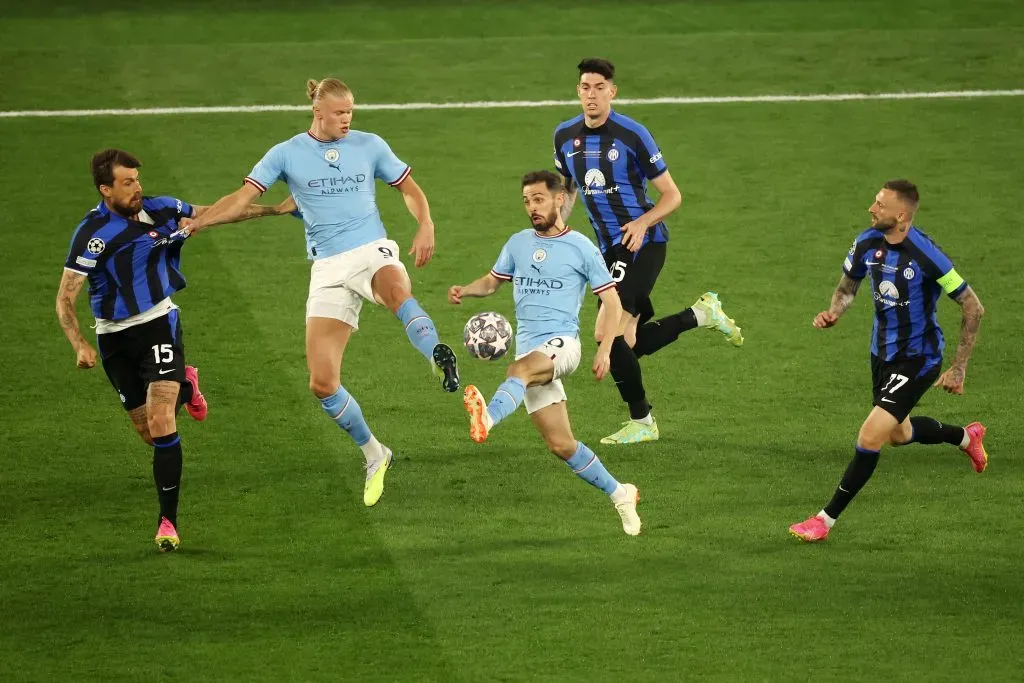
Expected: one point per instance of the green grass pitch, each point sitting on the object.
(493, 563)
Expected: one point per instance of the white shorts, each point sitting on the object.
(338, 284)
(565, 353)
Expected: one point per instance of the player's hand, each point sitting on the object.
(455, 294)
(86, 356)
(825, 319)
(423, 245)
(602, 363)
(633, 234)
(952, 380)
(184, 230)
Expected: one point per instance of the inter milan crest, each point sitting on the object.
(613, 155)
(539, 255)
(908, 273)
(331, 155)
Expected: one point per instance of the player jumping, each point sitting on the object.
(330, 170)
(908, 272)
(550, 267)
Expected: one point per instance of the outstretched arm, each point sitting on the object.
(254, 210)
(227, 209)
(952, 380)
(478, 288)
(844, 295)
(70, 285)
(416, 202)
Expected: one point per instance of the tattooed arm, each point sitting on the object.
(255, 210)
(952, 380)
(845, 292)
(570, 198)
(70, 284)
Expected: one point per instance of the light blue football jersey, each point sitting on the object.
(550, 275)
(333, 186)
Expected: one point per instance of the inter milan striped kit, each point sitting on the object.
(906, 341)
(133, 267)
(611, 165)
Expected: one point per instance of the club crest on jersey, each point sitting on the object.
(96, 246)
(539, 256)
(576, 142)
(908, 273)
(594, 178)
(613, 154)
(331, 155)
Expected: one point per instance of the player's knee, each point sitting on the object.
(518, 369)
(323, 387)
(161, 422)
(561, 446)
(870, 439)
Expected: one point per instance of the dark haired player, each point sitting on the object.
(907, 273)
(610, 158)
(126, 248)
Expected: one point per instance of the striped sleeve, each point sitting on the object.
(386, 165)
(504, 267)
(269, 169)
(595, 269)
(85, 249)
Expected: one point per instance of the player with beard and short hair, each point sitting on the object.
(908, 272)
(550, 267)
(129, 250)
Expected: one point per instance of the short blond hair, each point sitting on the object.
(328, 86)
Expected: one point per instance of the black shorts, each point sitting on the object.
(900, 384)
(149, 352)
(635, 275)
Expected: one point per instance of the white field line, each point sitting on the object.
(516, 104)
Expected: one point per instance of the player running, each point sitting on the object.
(610, 158)
(908, 272)
(550, 266)
(330, 170)
(125, 247)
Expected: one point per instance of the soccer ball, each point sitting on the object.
(487, 336)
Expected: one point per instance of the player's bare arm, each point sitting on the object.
(669, 200)
(571, 190)
(610, 303)
(70, 285)
(227, 209)
(478, 289)
(844, 295)
(952, 380)
(416, 202)
(255, 210)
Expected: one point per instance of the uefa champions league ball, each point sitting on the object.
(487, 336)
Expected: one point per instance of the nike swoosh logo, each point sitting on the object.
(885, 400)
(872, 263)
(572, 154)
(164, 372)
(168, 488)
(843, 490)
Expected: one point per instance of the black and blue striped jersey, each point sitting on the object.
(611, 165)
(131, 264)
(906, 280)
